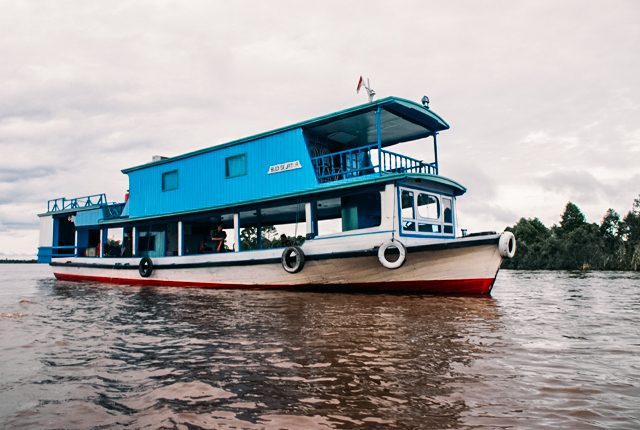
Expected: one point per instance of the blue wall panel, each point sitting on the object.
(202, 182)
(90, 217)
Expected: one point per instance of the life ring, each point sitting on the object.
(293, 259)
(507, 245)
(145, 267)
(395, 263)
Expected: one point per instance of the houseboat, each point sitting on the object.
(322, 204)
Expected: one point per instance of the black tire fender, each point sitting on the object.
(145, 267)
(292, 259)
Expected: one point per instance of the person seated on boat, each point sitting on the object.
(284, 240)
(218, 238)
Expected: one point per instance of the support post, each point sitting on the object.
(236, 231)
(259, 228)
(435, 149)
(102, 242)
(134, 241)
(379, 139)
(312, 221)
(180, 239)
(75, 244)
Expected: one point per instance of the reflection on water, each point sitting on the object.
(547, 349)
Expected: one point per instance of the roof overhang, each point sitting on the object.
(400, 121)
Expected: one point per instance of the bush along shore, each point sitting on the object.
(614, 244)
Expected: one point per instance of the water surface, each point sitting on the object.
(547, 349)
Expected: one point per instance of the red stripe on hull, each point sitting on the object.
(480, 286)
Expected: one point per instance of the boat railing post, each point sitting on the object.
(180, 239)
(379, 140)
(75, 244)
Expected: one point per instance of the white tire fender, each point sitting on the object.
(507, 245)
(383, 258)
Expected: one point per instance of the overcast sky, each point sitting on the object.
(543, 97)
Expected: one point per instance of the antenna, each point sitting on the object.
(367, 87)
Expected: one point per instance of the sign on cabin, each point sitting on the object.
(291, 165)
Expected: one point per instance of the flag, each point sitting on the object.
(360, 84)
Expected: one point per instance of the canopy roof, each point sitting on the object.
(401, 121)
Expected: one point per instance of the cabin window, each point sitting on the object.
(407, 204)
(170, 180)
(447, 205)
(198, 232)
(350, 212)
(152, 240)
(235, 166)
(273, 227)
(428, 206)
(426, 213)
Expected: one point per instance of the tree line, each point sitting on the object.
(575, 244)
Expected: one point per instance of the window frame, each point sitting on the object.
(242, 156)
(165, 175)
(415, 222)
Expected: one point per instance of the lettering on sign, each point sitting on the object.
(283, 167)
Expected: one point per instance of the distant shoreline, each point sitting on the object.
(10, 261)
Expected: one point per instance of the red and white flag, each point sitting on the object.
(360, 84)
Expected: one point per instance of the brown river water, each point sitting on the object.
(547, 349)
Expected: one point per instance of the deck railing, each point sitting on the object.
(364, 161)
(63, 203)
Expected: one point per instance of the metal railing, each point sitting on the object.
(364, 161)
(63, 203)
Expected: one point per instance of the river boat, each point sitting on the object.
(320, 204)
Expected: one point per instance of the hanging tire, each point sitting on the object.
(382, 254)
(145, 267)
(293, 259)
(507, 245)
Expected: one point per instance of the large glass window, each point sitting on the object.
(351, 212)
(235, 166)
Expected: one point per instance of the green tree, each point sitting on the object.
(630, 232)
(572, 219)
(610, 232)
(531, 235)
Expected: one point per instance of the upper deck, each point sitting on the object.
(345, 148)
(341, 150)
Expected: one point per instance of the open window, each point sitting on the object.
(351, 212)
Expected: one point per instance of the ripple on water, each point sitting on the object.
(549, 349)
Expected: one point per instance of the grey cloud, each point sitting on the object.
(88, 89)
(8, 174)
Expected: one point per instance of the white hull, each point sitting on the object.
(460, 266)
